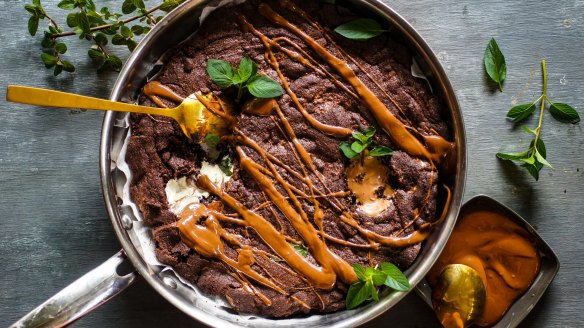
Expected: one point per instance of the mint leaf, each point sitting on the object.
(564, 113)
(513, 156)
(381, 151)
(212, 140)
(359, 271)
(495, 63)
(528, 130)
(395, 278)
(61, 48)
(67, 4)
(360, 29)
(365, 135)
(220, 72)
(373, 290)
(33, 24)
(541, 159)
(48, 60)
(247, 68)
(299, 248)
(376, 276)
(359, 147)
(261, 86)
(521, 112)
(528, 160)
(533, 170)
(345, 147)
(358, 293)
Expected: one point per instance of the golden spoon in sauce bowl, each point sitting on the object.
(459, 296)
(198, 114)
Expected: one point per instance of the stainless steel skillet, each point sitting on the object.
(104, 282)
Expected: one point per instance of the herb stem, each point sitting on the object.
(52, 21)
(103, 27)
(543, 99)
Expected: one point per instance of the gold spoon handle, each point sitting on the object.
(52, 98)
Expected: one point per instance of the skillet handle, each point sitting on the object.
(81, 297)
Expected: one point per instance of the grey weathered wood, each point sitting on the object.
(52, 217)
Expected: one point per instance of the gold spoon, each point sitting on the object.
(459, 296)
(198, 114)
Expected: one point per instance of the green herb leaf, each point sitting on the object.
(359, 271)
(72, 20)
(212, 140)
(58, 69)
(373, 290)
(564, 113)
(220, 72)
(247, 68)
(48, 60)
(261, 86)
(61, 48)
(521, 112)
(68, 67)
(168, 5)
(495, 63)
(300, 248)
(381, 151)
(370, 278)
(360, 29)
(111, 63)
(358, 293)
(33, 25)
(533, 170)
(528, 160)
(128, 7)
(513, 156)
(95, 54)
(395, 278)
(365, 135)
(528, 130)
(100, 39)
(378, 277)
(345, 147)
(542, 160)
(226, 166)
(358, 147)
(31, 9)
(67, 4)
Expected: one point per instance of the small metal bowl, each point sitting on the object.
(548, 270)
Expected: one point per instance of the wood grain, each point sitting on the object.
(55, 227)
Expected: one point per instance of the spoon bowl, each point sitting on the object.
(459, 297)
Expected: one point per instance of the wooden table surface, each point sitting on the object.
(53, 222)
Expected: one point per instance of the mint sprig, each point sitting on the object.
(361, 141)
(360, 29)
(534, 158)
(495, 63)
(244, 77)
(103, 28)
(370, 278)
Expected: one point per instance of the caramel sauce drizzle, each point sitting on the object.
(205, 239)
(154, 90)
(435, 148)
(331, 130)
(199, 224)
(320, 277)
